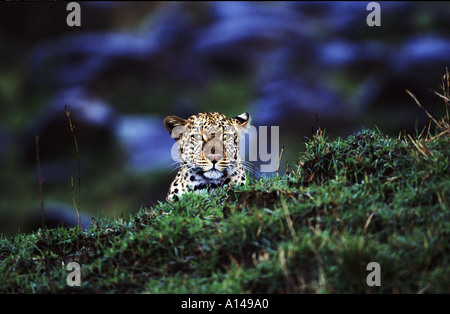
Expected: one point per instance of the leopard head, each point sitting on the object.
(208, 143)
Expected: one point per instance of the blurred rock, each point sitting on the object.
(294, 102)
(417, 65)
(424, 56)
(239, 22)
(356, 56)
(83, 58)
(146, 142)
(80, 59)
(94, 122)
(243, 32)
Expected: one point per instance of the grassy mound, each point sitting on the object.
(349, 202)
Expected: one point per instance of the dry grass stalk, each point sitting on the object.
(279, 159)
(426, 111)
(72, 129)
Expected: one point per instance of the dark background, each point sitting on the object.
(296, 65)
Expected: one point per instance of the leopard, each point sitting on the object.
(208, 149)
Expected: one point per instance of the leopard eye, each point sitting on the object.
(197, 136)
(227, 136)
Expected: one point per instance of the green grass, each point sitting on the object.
(367, 198)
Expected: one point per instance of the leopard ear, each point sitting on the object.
(173, 124)
(243, 119)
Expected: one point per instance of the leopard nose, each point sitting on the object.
(214, 157)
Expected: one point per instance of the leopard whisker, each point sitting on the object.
(253, 169)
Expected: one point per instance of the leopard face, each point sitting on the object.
(208, 147)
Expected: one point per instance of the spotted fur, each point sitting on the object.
(208, 147)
